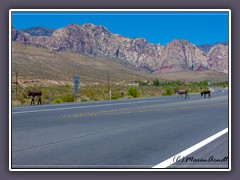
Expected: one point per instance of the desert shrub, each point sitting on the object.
(16, 103)
(67, 86)
(156, 82)
(115, 96)
(84, 99)
(152, 94)
(57, 100)
(129, 97)
(167, 92)
(203, 88)
(68, 98)
(22, 99)
(122, 94)
(142, 83)
(91, 93)
(203, 83)
(133, 91)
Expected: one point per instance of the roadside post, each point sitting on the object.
(76, 81)
(109, 90)
(16, 83)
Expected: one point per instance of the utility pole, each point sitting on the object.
(16, 82)
(108, 83)
(109, 90)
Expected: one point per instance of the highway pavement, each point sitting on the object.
(134, 133)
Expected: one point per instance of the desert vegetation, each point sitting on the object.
(64, 93)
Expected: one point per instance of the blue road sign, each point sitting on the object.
(76, 88)
(76, 81)
(76, 78)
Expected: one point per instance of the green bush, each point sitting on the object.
(91, 93)
(133, 91)
(156, 82)
(143, 83)
(68, 98)
(204, 88)
(115, 96)
(167, 92)
(152, 94)
(203, 83)
(22, 99)
(57, 100)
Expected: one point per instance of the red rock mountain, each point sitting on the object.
(178, 55)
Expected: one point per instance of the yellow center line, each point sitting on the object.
(135, 110)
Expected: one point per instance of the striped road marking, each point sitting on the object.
(190, 150)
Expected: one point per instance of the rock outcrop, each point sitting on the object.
(217, 58)
(178, 55)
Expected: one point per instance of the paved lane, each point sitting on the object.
(137, 133)
(213, 155)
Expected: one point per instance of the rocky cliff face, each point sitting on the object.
(217, 58)
(19, 36)
(178, 55)
(181, 55)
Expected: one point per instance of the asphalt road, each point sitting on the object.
(136, 133)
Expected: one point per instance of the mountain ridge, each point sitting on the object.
(206, 47)
(41, 66)
(93, 40)
(39, 31)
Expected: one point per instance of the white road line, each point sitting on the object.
(81, 107)
(221, 91)
(188, 151)
(78, 103)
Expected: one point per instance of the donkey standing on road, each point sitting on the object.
(206, 92)
(34, 93)
(181, 92)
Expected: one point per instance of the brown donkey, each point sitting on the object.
(206, 92)
(34, 93)
(181, 92)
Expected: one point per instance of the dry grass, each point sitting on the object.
(41, 64)
(194, 76)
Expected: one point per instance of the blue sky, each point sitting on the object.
(156, 27)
